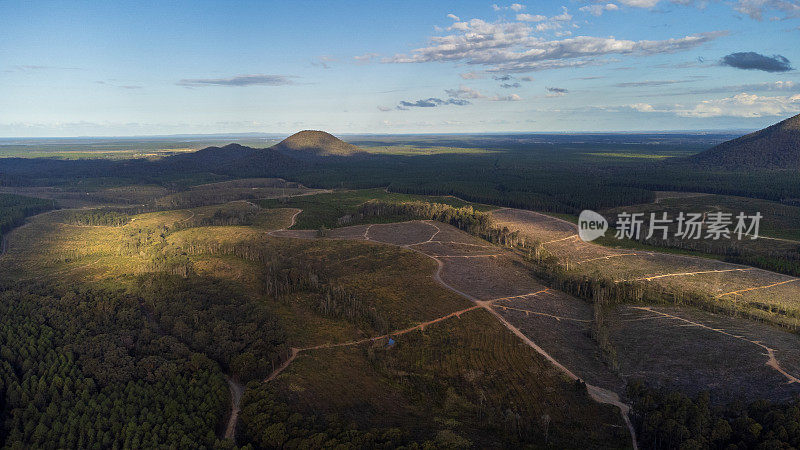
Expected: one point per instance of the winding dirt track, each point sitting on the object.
(494, 305)
(682, 274)
(758, 287)
(771, 360)
(236, 401)
(597, 393)
(291, 224)
(292, 355)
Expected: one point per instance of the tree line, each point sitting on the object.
(94, 217)
(15, 208)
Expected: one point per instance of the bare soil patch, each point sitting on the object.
(487, 278)
(405, 233)
(731, 282)
(674, 353)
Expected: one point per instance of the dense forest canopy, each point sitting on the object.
(578, 173)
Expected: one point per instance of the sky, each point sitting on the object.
(150, 68)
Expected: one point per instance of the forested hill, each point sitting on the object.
(309, 143)
(774, 147)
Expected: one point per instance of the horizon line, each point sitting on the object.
(465, 133)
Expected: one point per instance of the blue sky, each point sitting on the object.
(135, 68)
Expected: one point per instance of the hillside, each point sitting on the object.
(316, 143)
(774, 147)
(213, 156)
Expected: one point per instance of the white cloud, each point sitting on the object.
(365, 58)
(640, 3)
(239, 81)
(739, 105)
(513, 7)
(506, 98)
(531, 17)
(472, 75)
(454, 17)
(757, 8)
(752, 87)
(512, 47)
(642, 107)
(597, 10)
(564, 16)
(547, 26)
(744, 105)
(464, 92)
(544, 23)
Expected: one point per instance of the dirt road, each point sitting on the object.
(598, 393)
(236, 400)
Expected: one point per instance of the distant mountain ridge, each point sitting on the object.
(774, 147)
(301, 149)
(316, 143)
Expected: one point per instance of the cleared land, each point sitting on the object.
(449, 326)
(228, 191)
(445, 346)
(561, 324)
(753, 290)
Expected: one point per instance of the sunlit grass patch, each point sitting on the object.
(629, 155)
(413, 150)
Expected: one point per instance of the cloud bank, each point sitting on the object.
(516, 47)
(598, 10)
(239, 81)
(742, 105)
(431, 102)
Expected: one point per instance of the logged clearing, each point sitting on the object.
(464, 373)
(227, 191)
(562, 325)
(697, 351)
(752, 289)
(444, 291)
(446, 346)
